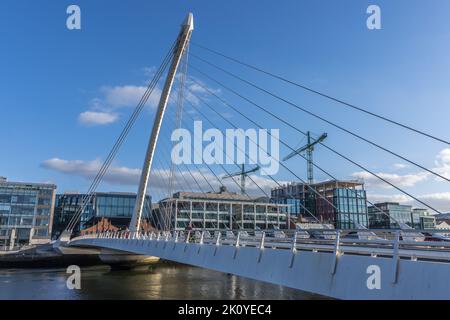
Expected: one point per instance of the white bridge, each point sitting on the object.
(338, 267)
(355, 264)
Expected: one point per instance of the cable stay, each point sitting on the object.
(262, 169)
(98, 178)
(284, 166)
(296, 106)
(185, 175)
(327, 96)
(304, 133)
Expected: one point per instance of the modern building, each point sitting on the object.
(443, 226)
(341, 203)
(222, 210)
(442, 217)
(422, 219)
(26, 212)
(388, 215)
(116, 207)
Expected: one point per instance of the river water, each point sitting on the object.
(161, 280)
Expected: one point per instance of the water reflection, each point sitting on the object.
(162, 280)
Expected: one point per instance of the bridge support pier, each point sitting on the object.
(123, 260)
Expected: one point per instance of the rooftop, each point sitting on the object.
(5, 182)
(223, 195)
(99, 193)
(328, 184)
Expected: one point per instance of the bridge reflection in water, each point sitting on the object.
(161, 281)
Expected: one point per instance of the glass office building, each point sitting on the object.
(390, 214)
(351, 208)
(221, 210)
(341, 203)
(117, 207)
(26, 212)
(422, 219)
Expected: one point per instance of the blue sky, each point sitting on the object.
(55, 80)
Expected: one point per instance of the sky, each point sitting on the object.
(67, 94)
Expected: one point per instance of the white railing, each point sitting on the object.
(333, 241)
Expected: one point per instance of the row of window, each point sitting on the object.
(201, 206)
(214, 225)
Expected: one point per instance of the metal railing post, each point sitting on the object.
(188, 236)
(294, 243)
(336, 252)
(261, 244)
(395, 257)
(218, 239)
(293, 250)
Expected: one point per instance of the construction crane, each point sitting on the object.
(309, 148)
(243, 175)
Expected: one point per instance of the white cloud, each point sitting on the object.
(375, 198)
(183, 180)
(89, 169)
(103, 109)
(439, 200)
(442, 163)
(95, 117)
(407, 180)
(149, 71)
(128, 96)
(400, 165)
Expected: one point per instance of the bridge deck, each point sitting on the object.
(339, 268)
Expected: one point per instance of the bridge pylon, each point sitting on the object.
(181, 45)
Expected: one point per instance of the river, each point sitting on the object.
(161, 280)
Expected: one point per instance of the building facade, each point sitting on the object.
(388, 215)
(422, 219)
(223, 210)
(116, 207)
(26, 212)
(341, 203)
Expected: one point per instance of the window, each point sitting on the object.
(197, 206)
(211, 206)
(197, 215)
(211, 216)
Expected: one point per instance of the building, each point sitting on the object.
(443, 226)
(422, 219)
(388, 215)
(222, 210)
(442, 217)
(116, 207)
(26, 212)
(341, 203)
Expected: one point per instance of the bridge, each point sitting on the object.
(354, 263)
(339, 268)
